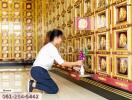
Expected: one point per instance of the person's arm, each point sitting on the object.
(71, 64)
(57, 57)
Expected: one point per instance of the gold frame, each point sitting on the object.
(107, 16)
(102, 7)
(92, 42)
(129, 14)
(107, 41)
(92, 64)
(129, 39)
(85, 9)
(114, 69)
(108, 70)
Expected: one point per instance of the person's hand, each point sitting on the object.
(79, 62)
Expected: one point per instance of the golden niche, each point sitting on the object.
(102, 42)
(102, 64)
(29, 55)
(122, 66)
(17, 48)
(17, 13)
(29, 41)
(16, 5)
(29, 21)
(89, 62)
(28, 6)
(4, 5)
(122, 40)
(122, 14)
(88, 43)
(28, 14)
(101, 20)
(17, 55)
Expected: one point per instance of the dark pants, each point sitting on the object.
(43, 79)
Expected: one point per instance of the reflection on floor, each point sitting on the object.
(70, 91)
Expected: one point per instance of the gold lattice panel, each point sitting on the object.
(17, 30)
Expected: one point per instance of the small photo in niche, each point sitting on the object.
(102, 63)
(28, 6)
(88, 62)
(87, 6)
(122, 66)
(102, 42)
(28, 20)
(4, 4)
(122, 40)
(89, 43)
(101, 20)
(16, 5)
(28, 14)
(121, 14)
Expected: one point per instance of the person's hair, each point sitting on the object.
(47, 37)
(52, 34)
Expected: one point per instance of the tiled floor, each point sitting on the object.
(70, 91)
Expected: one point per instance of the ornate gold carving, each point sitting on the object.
(69, 9)
(77, 3)
(101, 3)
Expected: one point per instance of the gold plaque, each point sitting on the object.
(29, 55)
(102, 42)
(88, 62)
(103, 64)
(122, 40)
(28, 6)
(28, 14)
(17, 48)
(4, 4)
(17, 41)
(29, 41)
(29, 48)
(122, 66)
(17, 55)
(16, 6)
(89, 42)
(29, 21)
(122, 13)
(17, 13)
(101, 20)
